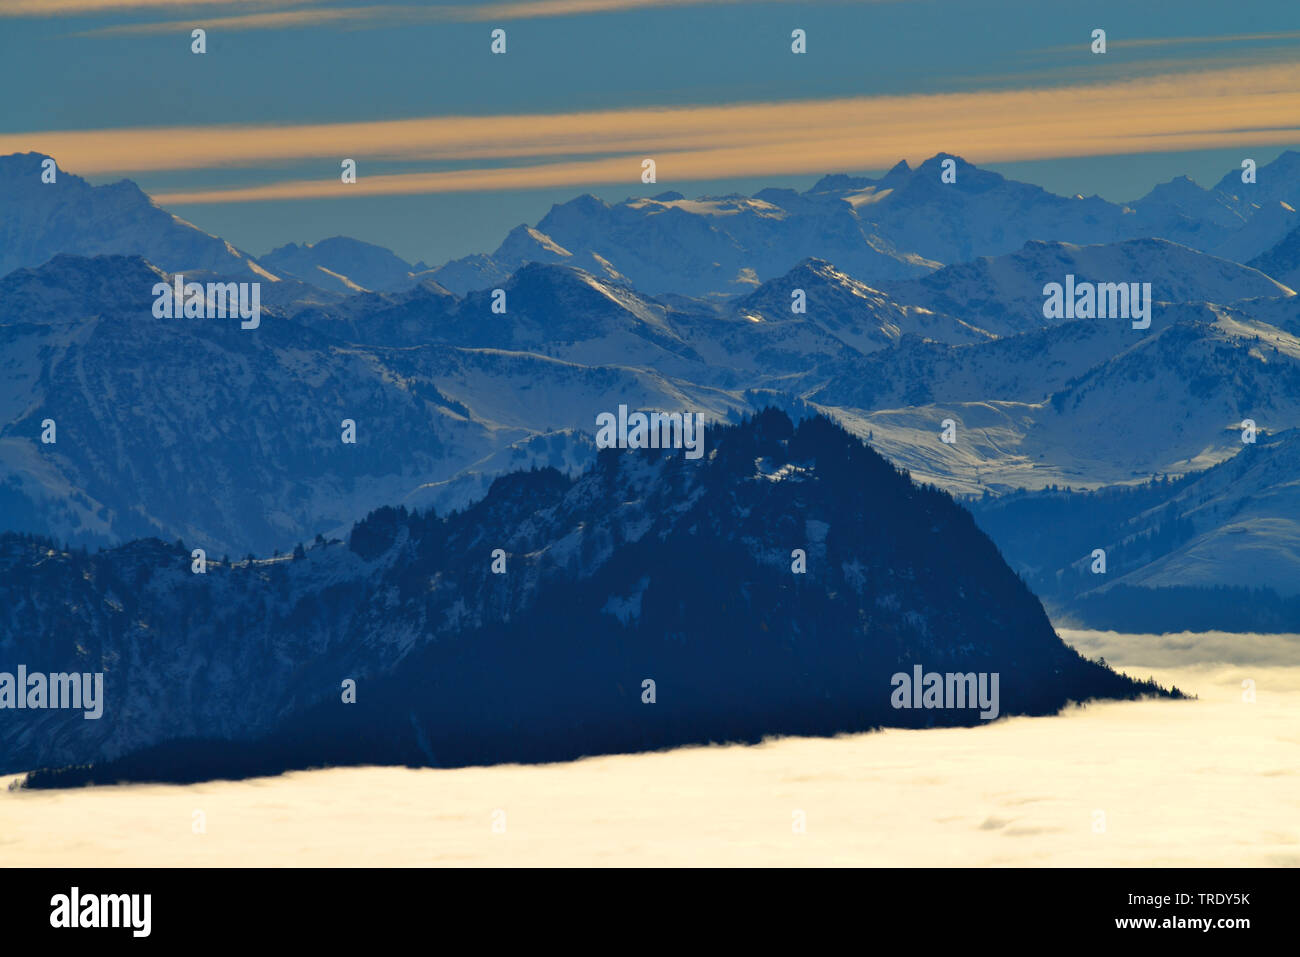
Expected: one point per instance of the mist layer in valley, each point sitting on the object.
(1204, 782)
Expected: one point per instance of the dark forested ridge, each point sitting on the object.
(648, 566)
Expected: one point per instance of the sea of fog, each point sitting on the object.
(1213, 781)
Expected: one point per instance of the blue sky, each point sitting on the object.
(77, 67)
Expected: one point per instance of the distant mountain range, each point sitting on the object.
(899, 226)
(903, 225)
(922, 302)
(651, 601)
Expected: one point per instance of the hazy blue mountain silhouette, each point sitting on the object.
(343, 264)
(231, 438)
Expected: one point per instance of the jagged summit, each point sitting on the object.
(342, 264)
(39, 220)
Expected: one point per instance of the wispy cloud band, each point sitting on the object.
(62, 8)
(1245, 107)
(229, 14)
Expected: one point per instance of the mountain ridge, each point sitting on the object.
(601, 589)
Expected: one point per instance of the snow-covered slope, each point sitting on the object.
(861, 317)
(1268, 205)
(232, 438)
(1112, 406)
(712, 245)
(1004, 294)
(1282, 261)
(343, 265)
(981, 214)
(196, 427)
(1218, 548)
(1246, 516)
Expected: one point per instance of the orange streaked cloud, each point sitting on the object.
(273, 20)
(1246, 107)
(58, 8)
(211, 11)
(1184, 41)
